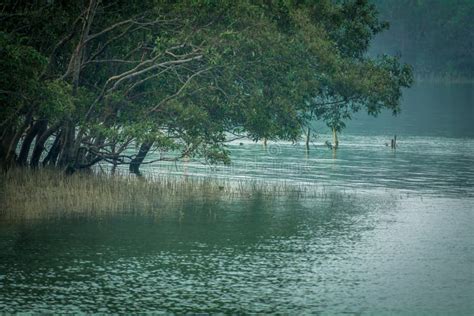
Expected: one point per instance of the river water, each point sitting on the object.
(391, 231)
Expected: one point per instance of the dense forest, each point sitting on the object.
(94, 81)
(436, 37)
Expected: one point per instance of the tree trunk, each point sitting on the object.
(66, 156)
(334, 138)
(137, 161)
(36, 130)
(9, 141)
(70, 151)
(7, 138)
(52, 156)
(39, 146)
(96, 144)
(308, 135)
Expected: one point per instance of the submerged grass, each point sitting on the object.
(29, 194)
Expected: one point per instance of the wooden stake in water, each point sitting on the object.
(393, 142)
(335, 144)
(308, 135)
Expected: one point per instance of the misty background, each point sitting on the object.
(436, 37)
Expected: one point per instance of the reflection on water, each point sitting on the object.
(373, 254)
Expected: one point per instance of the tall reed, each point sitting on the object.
(30, 193)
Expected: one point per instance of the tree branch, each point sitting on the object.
(179, 90)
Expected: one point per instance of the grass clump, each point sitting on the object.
(28, 194)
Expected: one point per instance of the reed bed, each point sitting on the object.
(26, 193)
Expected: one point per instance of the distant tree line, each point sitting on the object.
(435, 36)
(92, 81)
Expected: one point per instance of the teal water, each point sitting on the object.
(390, 232)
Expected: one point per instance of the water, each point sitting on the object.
(420, 165)
(391, 232)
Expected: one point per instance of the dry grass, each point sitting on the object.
(29, 194)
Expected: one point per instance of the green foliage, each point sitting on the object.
(56, 100)
(183, 75)
(20, 67)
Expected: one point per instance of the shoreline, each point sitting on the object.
(442, 80)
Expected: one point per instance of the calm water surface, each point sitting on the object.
(391, 232)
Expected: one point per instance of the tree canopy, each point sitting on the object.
(88, 81)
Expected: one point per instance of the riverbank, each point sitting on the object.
(443, 79)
